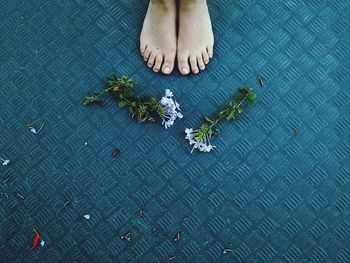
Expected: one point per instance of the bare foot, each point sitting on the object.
(196, 40)
(158, 36)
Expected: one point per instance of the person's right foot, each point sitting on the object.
(158, 36)
(196, 40)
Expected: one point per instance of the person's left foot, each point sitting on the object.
(196, 40)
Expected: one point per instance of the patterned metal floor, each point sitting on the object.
(275, 190)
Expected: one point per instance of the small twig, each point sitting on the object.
(260, 80)
(42, 126)
(177, 237)
(171, 258)
(227, 250)
(20, 196)
(65, 205)
(126, 237)
(5, 194)
(6, 180)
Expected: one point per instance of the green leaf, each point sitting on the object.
(90, 100)
(160, 111)
(230, 116)
(153, 101)
(208, 120)
(122, 104)
(244, 89)
(133, 104)
(239, 97)
(251, 97)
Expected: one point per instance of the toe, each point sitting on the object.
(168, 64)
(158, 63)
(146, 53)
(151, 59)
(200, 62)
(142, 48)
(183, 64)
(210, 51)
(193, 62)
(205, 57)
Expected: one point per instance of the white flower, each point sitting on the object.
(87, 217)
(168, 93)
(4, 162)
(171, 109)
(203, 146)
(42, 243)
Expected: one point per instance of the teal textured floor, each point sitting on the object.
(275, 190)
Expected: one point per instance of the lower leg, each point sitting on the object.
(195, 40)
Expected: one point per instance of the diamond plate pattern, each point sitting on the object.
(276, 190)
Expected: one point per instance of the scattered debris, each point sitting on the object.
(171, 258)
(295, 131)
(260, 80)
(126, 237)
(33, 130)
(66, 204)
(42, 243)
(4, 194)
(141, 213)
(116, 153)
(36, 240)
(6, 180)
(87, 217)
(20, 196)
(85, 143)
(176, 237)
(227, 250)
(4, 161)
(155, 231)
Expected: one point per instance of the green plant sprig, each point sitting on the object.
(231, 111)
(142, 108)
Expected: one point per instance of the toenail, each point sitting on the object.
(155, 69)
(185, 70)
(195, 71)
(166, 70)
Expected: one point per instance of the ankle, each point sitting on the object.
(190, 4)
(163, 3)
